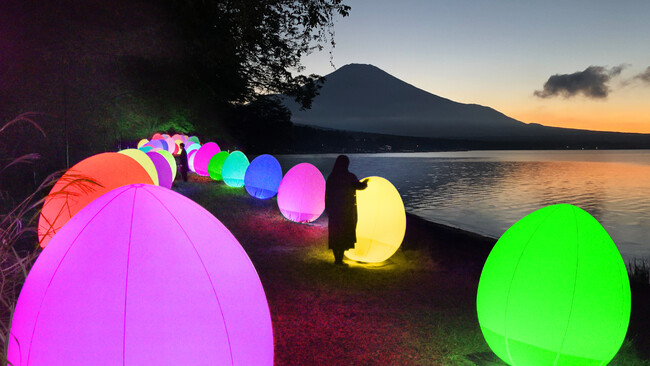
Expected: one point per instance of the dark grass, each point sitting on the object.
(417, 308)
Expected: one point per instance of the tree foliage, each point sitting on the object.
(243, 48)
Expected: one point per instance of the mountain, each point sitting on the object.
(364, 98)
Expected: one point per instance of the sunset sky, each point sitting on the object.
(499, 53)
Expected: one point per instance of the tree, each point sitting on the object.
(239, 49)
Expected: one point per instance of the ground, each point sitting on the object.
(417, 308)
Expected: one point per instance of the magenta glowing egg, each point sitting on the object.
(203, 156)
(142, 276)
(263, 177)
(301, 194)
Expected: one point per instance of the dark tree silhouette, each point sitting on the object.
(109, 70)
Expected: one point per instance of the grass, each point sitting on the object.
(639, 270)
(417, 308)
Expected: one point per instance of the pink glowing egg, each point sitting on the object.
(301, 195)
(81, 184)
(157, 136)
(171, 145)
(142, 276)
(203, 156)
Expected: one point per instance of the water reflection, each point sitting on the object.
(486, 192)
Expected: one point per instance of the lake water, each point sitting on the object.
(488, 191)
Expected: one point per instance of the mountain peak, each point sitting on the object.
(363, 97)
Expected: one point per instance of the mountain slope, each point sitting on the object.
(364, 98)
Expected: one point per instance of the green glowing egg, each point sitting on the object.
(554, 291)
(216, 164)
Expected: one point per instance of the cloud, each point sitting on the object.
(644, 76)
(591, 82)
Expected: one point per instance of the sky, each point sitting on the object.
(576, 64)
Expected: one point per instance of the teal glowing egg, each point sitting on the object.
(215, 165)
(234, 169)
(554, 291)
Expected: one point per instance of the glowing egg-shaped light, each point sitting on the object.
(142, 142)
(194, 139)
(177, 137)
(203, 156)
(157, 136)
(145, 148)
(177, 148)
(162, 168)
(263, 177)
(157, 143)
(189, 146)
(381, 222)
(142, 276)
(554, 291)
(81, 184)
(234, 169)
(143, 159)
(301, 194)
(171, 145)
(171, 161)
(215, 165)
(165, 136)
(190, 160)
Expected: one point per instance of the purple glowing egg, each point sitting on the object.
(165, 177)
(203, 156)
(301, 195)
(142, 276)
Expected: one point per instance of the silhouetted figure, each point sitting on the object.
(183, 165)
(341, 207)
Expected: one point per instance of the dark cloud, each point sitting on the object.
(644, 76)
(592, 83)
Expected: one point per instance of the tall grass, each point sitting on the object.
(18, 224)
(639, 270)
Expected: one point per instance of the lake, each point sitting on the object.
(488, 191)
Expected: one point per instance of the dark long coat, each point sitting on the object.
(341, 207)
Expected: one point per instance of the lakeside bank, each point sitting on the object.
(417, 308)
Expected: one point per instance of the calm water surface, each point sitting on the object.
(488, 191)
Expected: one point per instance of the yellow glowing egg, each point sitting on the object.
(381, 222)
(144, 160)
(142, 142)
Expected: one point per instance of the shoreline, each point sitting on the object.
(416, 308)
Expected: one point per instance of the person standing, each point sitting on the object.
(341, 206)
(183, 165)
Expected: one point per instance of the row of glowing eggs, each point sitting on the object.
(519, 349)
(301, 197)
